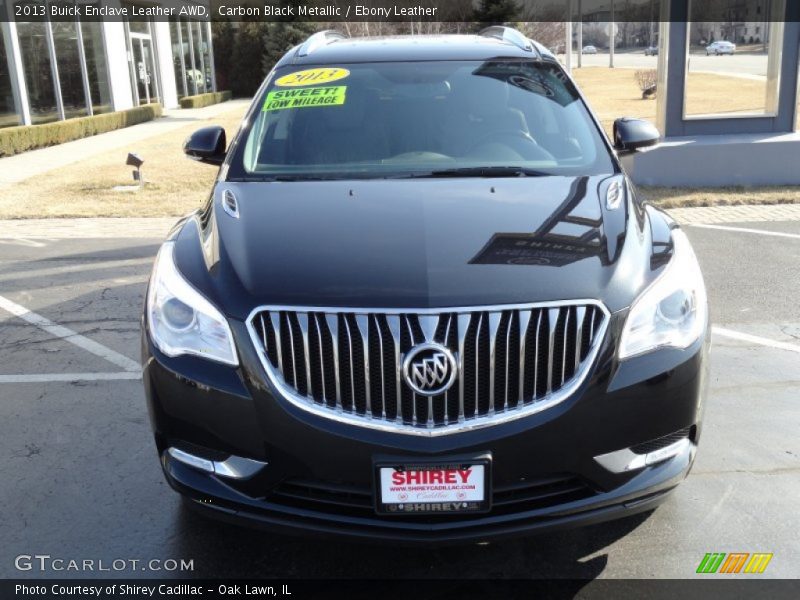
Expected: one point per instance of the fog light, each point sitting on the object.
(233, 467)
(626, 459)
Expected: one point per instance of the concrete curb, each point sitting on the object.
(704, 215)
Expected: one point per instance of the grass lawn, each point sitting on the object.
(178, 185)
(175, 185)
(726, 196)
(613, 93)
(708, 93)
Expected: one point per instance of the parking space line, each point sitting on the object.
(747, 230)
(754, 339)
(68, 335)
(79, 268)
(68, 377)
(23, 242)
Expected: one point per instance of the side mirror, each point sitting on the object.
(632, 134)
(206, 145)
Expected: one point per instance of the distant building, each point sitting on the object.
(51, 70)
(747, 22)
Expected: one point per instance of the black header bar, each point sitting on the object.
(420, 589)
(420, 11)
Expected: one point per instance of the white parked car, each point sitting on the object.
(722, 47)
(589, 50)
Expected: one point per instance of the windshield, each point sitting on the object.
(422, 119)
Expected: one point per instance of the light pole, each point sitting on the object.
(650, 41)
(568, 47)
(612, 38)
(580, 33)
(568, 35)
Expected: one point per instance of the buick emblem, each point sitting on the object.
(429, 369)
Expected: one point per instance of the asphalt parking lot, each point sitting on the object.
(81, 479)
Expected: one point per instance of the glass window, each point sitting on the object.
(207, 57)
(729, 71)
(96, 67)
(38, 76)
(422, 119)
(188, 63)
(177, 51)
(65, 38)
(8, 110)
(137, 24)
(200, 57)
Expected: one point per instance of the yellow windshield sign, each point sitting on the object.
(312, 77)
(305, 97)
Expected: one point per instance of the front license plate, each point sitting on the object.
(433, 488)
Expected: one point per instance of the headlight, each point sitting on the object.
(181, 320)
(673, 311)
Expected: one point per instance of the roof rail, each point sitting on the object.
(318, 40)
(508, 34)
(543, 50)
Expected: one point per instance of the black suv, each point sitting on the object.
(423, 303)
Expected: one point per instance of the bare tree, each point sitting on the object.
(544, 23)
(548, 33)
(458, 15)
(646, 80)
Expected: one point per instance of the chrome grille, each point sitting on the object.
(345, 364)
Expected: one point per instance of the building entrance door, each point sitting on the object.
(144, 70)
(142, 61)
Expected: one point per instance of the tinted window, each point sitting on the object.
(65, 37)
(38, 75)
(8, 110)
(96, 67)
(396, 119)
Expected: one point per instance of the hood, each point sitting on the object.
(419, 243)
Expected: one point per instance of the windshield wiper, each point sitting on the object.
(485, 172)
(299, 177)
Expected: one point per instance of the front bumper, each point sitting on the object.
(318, 476)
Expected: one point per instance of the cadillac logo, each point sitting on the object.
(429, 369)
